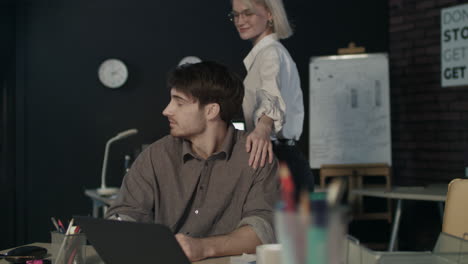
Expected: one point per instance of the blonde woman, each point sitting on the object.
(273, 103)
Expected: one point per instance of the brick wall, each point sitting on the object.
(429, 123)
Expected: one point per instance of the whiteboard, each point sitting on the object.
(349, 110)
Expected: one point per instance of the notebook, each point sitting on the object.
(121, 242)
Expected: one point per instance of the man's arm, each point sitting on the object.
(135, 201)
(258, 208)
(242, 240)
(255, 227)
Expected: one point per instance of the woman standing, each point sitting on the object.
(273, 104)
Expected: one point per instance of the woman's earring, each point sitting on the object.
(270, 23)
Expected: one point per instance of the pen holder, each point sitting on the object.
(338, 220)
(291, 233)
(315, 238)
(68, 249)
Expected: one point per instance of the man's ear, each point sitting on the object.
(212, 110)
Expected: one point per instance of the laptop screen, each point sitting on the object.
(120, 242)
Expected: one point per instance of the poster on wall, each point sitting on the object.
(454, 45)
(349, 110)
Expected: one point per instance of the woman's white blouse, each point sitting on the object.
(272, 87)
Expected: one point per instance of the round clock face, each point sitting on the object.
(189, 59)
(113, 73)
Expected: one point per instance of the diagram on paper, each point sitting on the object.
(349, 112)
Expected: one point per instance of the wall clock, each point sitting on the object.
(189, 59)
(113, 73)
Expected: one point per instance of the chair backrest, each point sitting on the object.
(447, 243)
(456, 209)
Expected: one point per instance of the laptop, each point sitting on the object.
(121, 242)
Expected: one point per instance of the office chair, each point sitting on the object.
(456, 209)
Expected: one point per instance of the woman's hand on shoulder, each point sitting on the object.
(259, 144)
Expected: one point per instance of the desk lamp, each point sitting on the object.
(104, 190)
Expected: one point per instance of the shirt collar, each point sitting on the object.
(265, 41)
(224, 153)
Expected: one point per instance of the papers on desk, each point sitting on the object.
(244, 259)
(448, 250)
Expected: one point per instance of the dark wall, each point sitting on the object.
(65, 116)
(429, 122)
(7, 85)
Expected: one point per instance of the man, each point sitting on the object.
(197, 180)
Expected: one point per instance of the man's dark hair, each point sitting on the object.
(210, 82)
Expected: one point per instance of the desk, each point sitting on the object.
(93, 258)
(99, 201)
(435, 193)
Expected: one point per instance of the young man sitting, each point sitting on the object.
(197, 180)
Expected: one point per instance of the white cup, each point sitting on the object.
(269, 254)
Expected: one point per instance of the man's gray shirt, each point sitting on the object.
(169, 184)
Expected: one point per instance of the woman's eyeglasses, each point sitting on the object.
(234, 16)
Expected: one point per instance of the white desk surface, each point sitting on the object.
(93, 258)
(436, 192)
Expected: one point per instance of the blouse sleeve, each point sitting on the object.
(269, 101)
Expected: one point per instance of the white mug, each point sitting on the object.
(269, 254)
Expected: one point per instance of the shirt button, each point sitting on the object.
(201, 187)
(196, 211)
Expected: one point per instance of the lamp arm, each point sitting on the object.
(104, 190)
(104, 164)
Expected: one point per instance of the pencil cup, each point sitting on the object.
(338, 220)
(291, 233)
(315, 238)
(68, 249)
